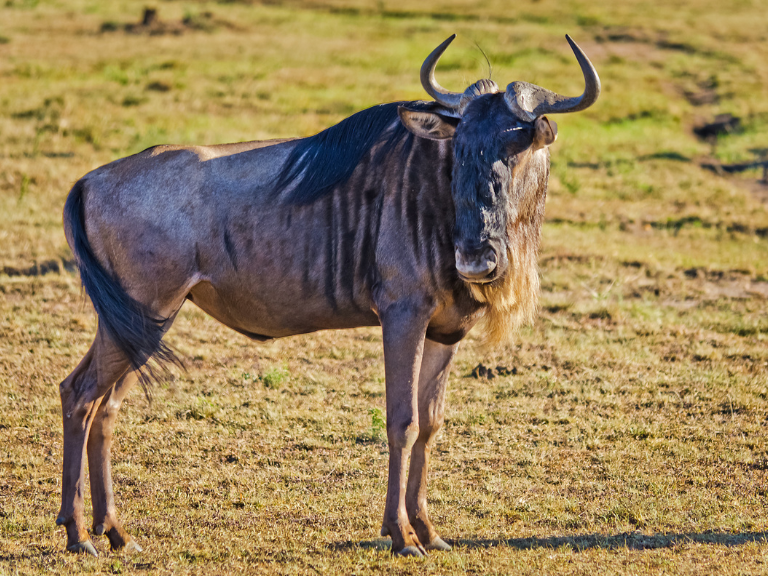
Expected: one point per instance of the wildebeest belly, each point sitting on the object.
(262, 315)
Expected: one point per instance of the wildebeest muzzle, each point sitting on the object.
(479, 263)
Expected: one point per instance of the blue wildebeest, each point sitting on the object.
(423, 217)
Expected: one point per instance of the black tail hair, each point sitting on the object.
(128, 322)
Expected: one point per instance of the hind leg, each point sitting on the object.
(81, 396)
(100, 467)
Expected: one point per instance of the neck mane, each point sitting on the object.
(319, 163)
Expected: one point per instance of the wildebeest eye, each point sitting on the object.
(516, 139)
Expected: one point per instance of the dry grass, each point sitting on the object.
(629, 435)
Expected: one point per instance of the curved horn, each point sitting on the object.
(440, 94)
(530, 101)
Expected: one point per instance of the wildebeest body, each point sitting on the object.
(423, 217)
(285, 267)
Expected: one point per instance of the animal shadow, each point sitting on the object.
(579, 543)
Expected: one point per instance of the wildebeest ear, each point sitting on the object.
(428, 124)
(545, 132)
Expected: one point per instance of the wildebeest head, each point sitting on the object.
(501, 166)
(494, 136)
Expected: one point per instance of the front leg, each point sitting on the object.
(403, 328)
(435, 368)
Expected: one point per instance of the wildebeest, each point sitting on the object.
(423, 217)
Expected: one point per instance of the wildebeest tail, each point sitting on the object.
(128, 322)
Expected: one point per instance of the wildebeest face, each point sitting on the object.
(496, 136)
(491, 146)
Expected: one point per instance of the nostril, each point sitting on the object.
(487, 259)
(490, 256)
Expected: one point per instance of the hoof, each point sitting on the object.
(119, 541)
(84, 547)
(131, 547)
(61, 520)
(384, 530)
(411, 551)
(438, 544)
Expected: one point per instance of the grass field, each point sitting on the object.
(625, 431)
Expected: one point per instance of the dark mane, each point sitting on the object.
(321, 162)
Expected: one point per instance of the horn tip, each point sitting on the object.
(445, 44)
(574, 46)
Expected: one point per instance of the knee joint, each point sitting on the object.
(429, 431)
(403, 433)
